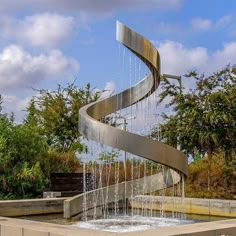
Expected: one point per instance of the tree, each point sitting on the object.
(45, 142)
(55, 113)
(21, 149)
(204, 118)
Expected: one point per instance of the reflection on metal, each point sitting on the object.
(138, 145)
(147, 148)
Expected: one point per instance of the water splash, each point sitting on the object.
(122, 224)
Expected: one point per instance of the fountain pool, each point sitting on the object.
(126, 223)
(131, 223)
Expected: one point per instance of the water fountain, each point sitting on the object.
(123, 204)
(168, 165)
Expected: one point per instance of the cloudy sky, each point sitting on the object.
(48, 42)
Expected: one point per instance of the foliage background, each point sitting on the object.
(203, 126)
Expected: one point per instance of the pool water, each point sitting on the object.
(128, 223)
(122, 223)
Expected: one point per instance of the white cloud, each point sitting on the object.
(110, 86)
(224, 21)
(20, 69)
(177, 59)
(104, 5)
(101, 6)
(201, 24)
(223, 57)
(6, 5)
(13, 103)
(109, 89)
(207, 24)
(45, 30)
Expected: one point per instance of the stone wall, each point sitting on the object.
(31, 206)
(213, 207)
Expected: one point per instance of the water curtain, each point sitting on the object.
(91, 127)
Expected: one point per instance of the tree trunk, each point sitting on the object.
(209, 156)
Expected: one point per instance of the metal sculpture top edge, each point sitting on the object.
(92, 128)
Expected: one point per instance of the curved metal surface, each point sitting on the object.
(102, 133)
(147, 148)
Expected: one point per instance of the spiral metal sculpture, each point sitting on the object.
(93, 129)
(102, 133)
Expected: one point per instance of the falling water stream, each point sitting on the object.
(108, 170)
(119, 217)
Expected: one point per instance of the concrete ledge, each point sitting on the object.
(16, 227)
(31, 206)
(74, 206)
(213, 207)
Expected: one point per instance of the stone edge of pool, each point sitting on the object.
(212, 207)
(18, 227)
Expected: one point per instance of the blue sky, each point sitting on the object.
(48, 42)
